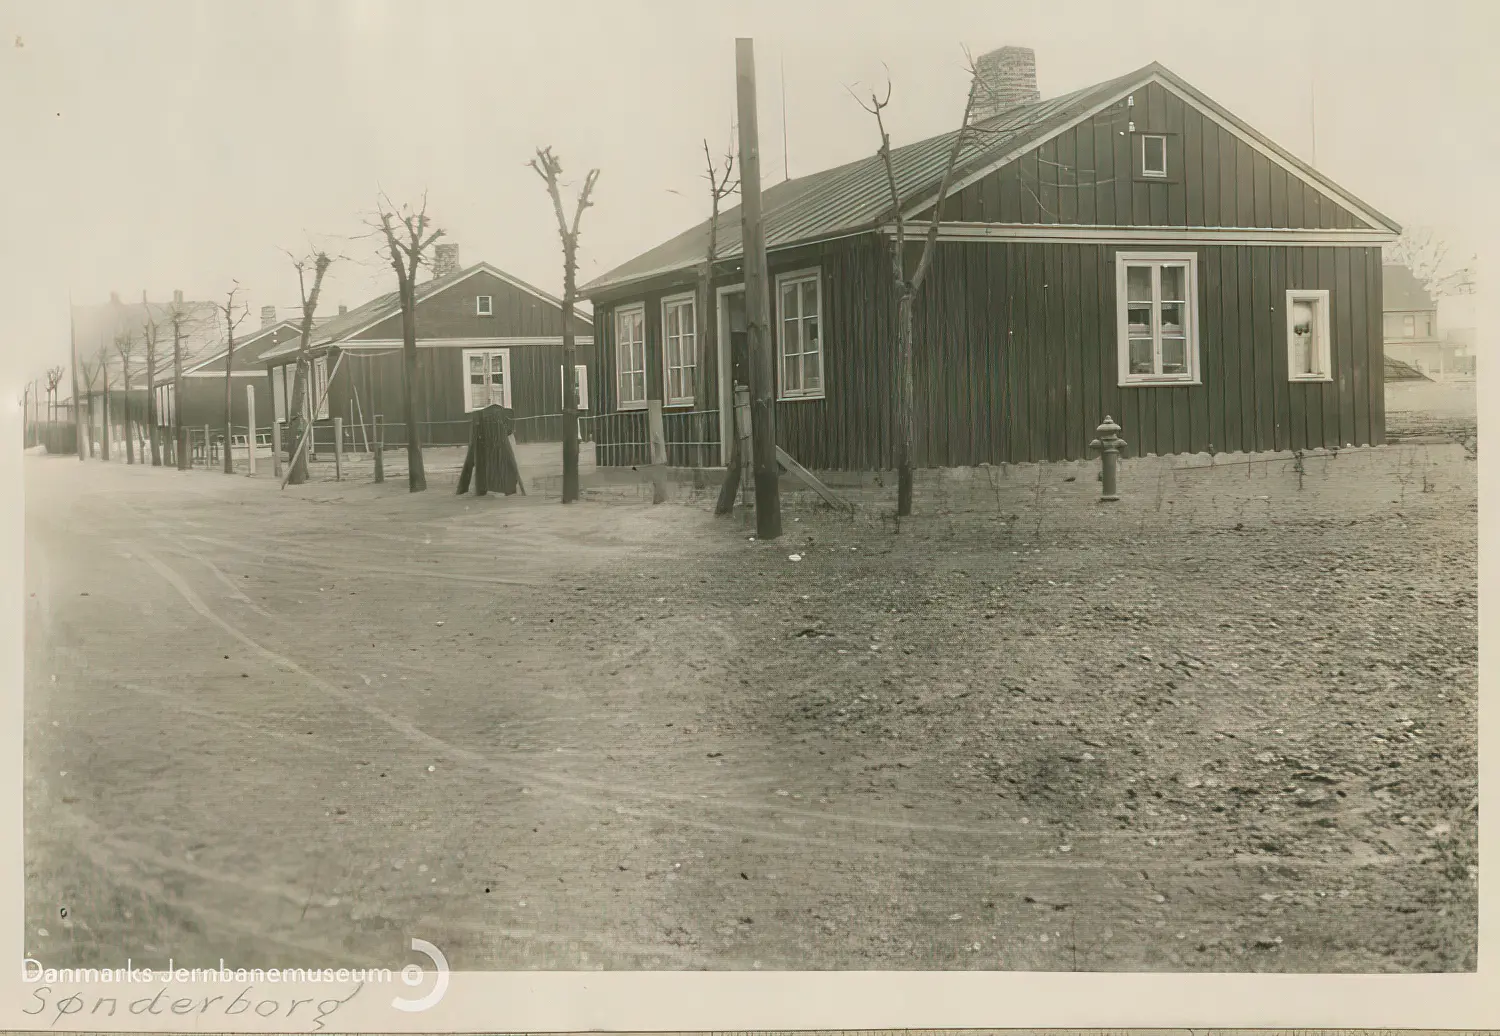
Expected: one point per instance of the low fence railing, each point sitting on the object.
(623, 439)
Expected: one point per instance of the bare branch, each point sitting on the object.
(942, 194)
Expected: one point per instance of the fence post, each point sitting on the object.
(656, 435)
(742, 433)
(208, 458)
(276, 448)
(379, 448)
(338, 449)
(250, 420)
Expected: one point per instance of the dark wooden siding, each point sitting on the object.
(1027, 367)
(850, 426)
(203, 401)
(451, 314)
(1088, 175)
(1015, 356)
(372, 384)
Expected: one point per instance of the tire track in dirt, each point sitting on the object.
(562, 785)
(608, 793)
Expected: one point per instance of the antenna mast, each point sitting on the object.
(786, 161)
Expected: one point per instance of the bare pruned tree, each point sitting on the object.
(27, 423)
(720, 186)
(101, 371)
(180, 318)
(54, 379)
(549, 168)
(408, 237)
(1425, 254)
(125, 347)
(234, 314)
(907, 280)
(151, 337)
(298, 410)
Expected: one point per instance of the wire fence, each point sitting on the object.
(623, 439)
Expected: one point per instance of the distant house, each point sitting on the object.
(95, 327)
(483, 337)
(1410, 320)
(1131, 248)
(203, 381)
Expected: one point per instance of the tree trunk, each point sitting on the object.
(105, 430)
(703, 339)
(416, 475)
(152, 417)
(570, 384)
(904, 406)
(129, 441)
(296, 417)
(184, 460)
(229, 403)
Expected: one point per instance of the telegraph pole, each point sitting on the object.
(757, 303)
(78, 430)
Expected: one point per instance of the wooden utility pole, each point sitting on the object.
(757, 303)
(78, 430)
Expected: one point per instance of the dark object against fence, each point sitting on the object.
(491, 460)
(1110, 445)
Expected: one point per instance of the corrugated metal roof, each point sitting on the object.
(856, 196)
(249, 350)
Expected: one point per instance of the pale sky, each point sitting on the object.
(159, 145)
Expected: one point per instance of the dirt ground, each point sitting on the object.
(293, 728)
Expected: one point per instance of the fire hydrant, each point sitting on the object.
(1110, 446)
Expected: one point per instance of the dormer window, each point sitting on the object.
(1153, 155)
(484, 305)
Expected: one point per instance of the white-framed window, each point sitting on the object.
(486, 378)
(163, 405)
(799, 345)
(581, 379)
(1409, 325)
(320, 386)
(1156, 299)
(1153, 155)
(679, 339)
(278, 394)
(484, 305)
(630, 356)
(1309, 356)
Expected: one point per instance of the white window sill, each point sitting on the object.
(638, 405)
(802, 398)
(672, 403)
(1314, 379)
(1159, 382)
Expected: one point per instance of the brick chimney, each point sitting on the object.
(267, 316)
(1007, 79)
(177, 296)
(444, 259)
(114, 297)
(343, 309)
